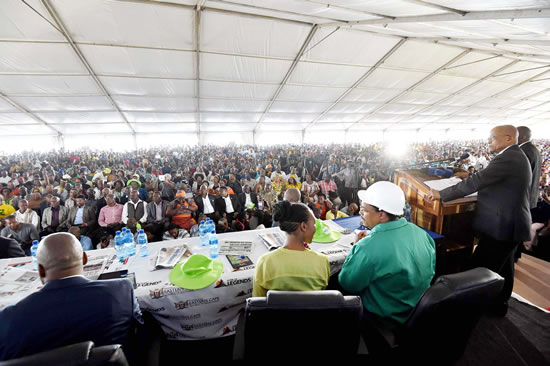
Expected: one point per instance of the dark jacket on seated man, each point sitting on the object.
(69, 308)
(10, 248)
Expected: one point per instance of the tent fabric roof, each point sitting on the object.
(139, 66)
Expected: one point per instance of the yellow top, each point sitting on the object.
(339, 215)
(6, 210)
(291, 270)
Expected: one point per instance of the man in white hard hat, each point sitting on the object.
(393, 265)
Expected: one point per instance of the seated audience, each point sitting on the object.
(69, 308)
(294, 267)
(84, 240)
(26, 215)
(55, 218)
(135, 208)
(334, 213)
(110, 216)
(24, 234)
(175, 232)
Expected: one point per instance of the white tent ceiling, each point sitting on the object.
(72, 67)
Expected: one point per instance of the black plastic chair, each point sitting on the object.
(79, 354)
(440, 325)
(299, 325)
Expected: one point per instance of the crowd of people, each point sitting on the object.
(167, 192)
(91, 195)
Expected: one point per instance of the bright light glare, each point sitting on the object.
(397, 148)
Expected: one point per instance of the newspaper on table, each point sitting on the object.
(273, 240)
(17, 283)
(169, 257)
(95, 266)
(235, 247)
(441, 184)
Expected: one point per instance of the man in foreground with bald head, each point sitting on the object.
(502, 219)
(69, 308)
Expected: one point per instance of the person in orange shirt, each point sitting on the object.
(181, 211)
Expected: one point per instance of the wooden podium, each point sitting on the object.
(451, 219)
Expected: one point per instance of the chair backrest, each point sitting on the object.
(292, 325)
(78, 354)
(446, 314)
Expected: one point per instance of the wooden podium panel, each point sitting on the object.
(452, 219)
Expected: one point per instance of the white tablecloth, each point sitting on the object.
(197, 314)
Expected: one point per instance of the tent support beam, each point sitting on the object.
(28, 114)
(301, 52)
(358, 82)
(500, 93)
(198, 65)
(449, 17)
(83, 60)
(414, 86)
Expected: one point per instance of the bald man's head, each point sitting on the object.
(292, 195)
(524, 134)
(501, 137)
(60, 255)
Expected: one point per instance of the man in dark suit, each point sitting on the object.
(157, 220)
(502, 218)
(69, 308)
(535, 162)
(206, 203)
(227, 205)
(247, 197)
(10, 248)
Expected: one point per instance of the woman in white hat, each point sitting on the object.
(294, 267)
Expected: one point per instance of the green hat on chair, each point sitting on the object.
(323, 233)
(197, 272)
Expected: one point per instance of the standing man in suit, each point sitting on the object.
(533, 155)
(78, 309)
(502, 218)
(535, 161)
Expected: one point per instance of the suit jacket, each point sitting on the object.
(78, 310)
(253, 198)
(152, 211)
(88, 215)
(200, 204)
(220, 204)
(535, 162)
(10, 248)
(502, 210)
(63, 216)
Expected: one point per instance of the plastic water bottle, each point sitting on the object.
(129, 244)
(214, 250)
(119, 246)
(142, 244)
(260, 205)
(34, 248)
(202, 232)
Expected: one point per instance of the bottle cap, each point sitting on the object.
(141, 231)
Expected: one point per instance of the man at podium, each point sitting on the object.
(502, 218)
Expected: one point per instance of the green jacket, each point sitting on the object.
(390, 268)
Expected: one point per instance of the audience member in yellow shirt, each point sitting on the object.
(334, 213)
(294, 267)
